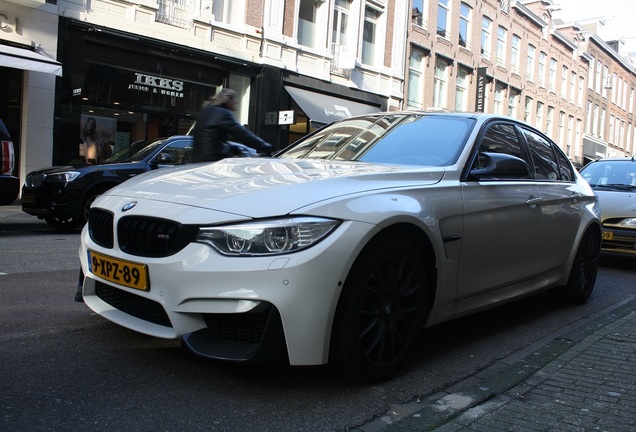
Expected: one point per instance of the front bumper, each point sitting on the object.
(234, 308)
(619, 241)
(49, 203)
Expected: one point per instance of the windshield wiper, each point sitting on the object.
(615, 186)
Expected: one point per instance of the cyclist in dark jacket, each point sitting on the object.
(216, 125)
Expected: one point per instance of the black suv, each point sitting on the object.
(9, 184)
(62, 195)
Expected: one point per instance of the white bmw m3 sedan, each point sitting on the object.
(343, 247)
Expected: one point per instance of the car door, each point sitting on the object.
(502, 219)
(560, 199)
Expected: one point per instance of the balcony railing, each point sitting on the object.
(175, 12)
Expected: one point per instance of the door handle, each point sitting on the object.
(576, 197)
(533, 201)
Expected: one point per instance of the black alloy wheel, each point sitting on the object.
(381, 311)
(584, 269)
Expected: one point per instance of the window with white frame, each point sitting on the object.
(602, 123)
(581, 92)
(498, 99)
(461, 93)
(527, 112)
(202, 8)
(552, 75)
(622, 134)
(573, 86)
(590, 75)
(588, 126)
(465, 14)
(340, 23)
(418, 9)
(443, 14)
(514, 53)
(505, 5)
(565, 72)
(440, 85)
(614, 86)
(598, 84)
(502, 37)
(611, 128)
(530, 63)
(370, 35)
(307, 22)
(631, 101)
(416, 79)
(577, 138)
(486, 37)
(543, 57)
(561, 140)
(604, 84)
(228, 11)
(570, 136)
(549, 121)
(513, 101)
(538, 121)
(595, 121)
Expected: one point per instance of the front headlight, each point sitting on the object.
(63, 177)
(269, 237)
(628, 223)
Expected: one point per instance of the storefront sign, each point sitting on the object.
(158, 85)
(481, 89)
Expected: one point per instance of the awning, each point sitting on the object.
(20, 58)
(324, 109)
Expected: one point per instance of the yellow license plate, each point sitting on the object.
(607, 235)
(121, 272)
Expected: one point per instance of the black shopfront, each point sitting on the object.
(131, 88)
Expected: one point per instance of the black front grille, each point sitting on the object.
(100, 227)
(131, 304)
(240, 327)
(153, 237)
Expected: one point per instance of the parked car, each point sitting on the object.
(614, 181)
(344, 246)
(9, 183)
(62, 195)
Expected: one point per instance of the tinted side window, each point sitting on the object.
(565, 167)
(180, 152)
(545, 164)
(499, 138)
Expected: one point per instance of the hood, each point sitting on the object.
(87, 168)
(616, 204)
(263, 187)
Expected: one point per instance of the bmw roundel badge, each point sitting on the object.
(129, 206)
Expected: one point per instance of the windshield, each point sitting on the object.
(136, 151)
(616, 174)
(412, 139)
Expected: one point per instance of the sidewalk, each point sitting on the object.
(582, 380)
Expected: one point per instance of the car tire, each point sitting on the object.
(381, 310)
(62, 224)
(584, 269)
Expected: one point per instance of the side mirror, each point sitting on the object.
(499, 166)
(163, 159)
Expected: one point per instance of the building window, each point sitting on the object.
(307, 20)
(598, 84)
(465, 12)
(527, 113)
(486, 35)
(442, 17)
(461, 94)
(602, 122)
(570, 138)
(175, 13)
(369, 35)
(340, 22)
(505, 5)
(502, 35)
(512, 103)
(539, 116)
(543, 57)
(530, 63)
(549, 122)
(498, 101)
(514, 53)
(440, 87)
(562, 130)
(564, 82)
(416, 79)
(227, 11)
(417, 12)
(588, 126)
(552, 75)
(604, 83)
(595, 121)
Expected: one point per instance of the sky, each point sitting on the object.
(618, 14)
